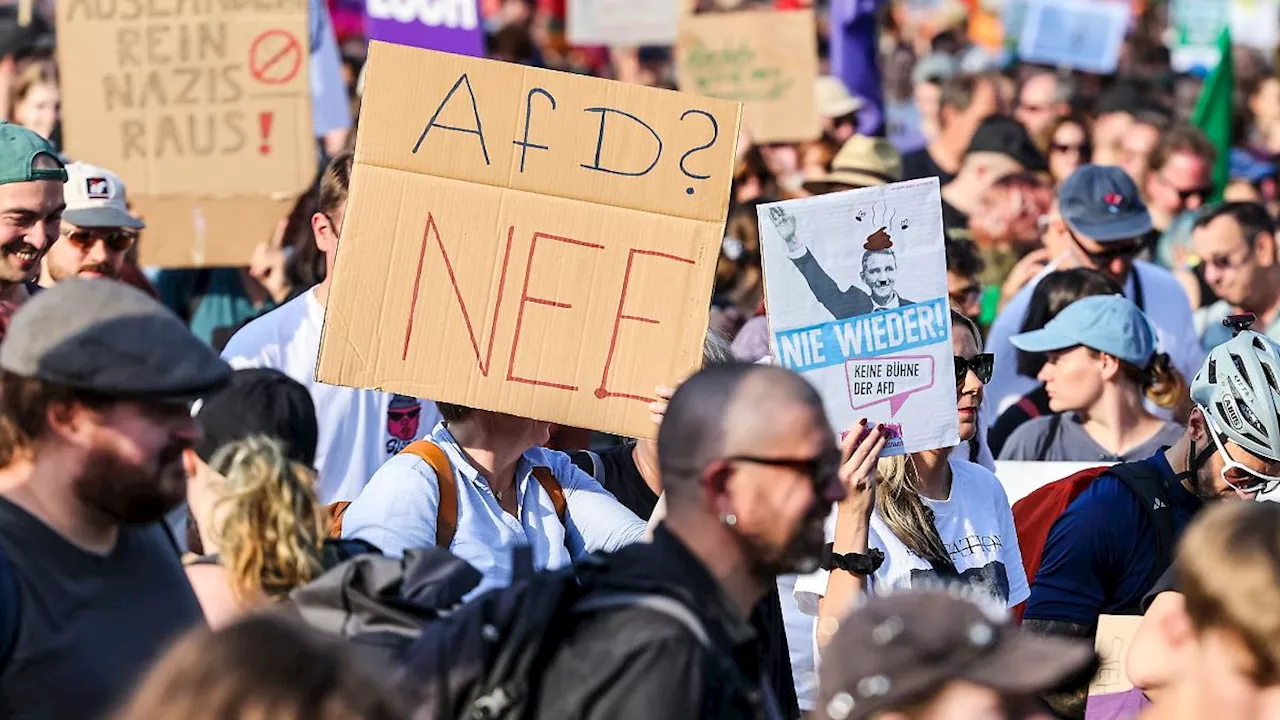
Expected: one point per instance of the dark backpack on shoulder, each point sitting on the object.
(1035, 515)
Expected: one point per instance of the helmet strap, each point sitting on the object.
(1195, 461)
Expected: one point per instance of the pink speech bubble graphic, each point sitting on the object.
(862, 373)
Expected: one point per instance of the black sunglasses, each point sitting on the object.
(1114, 250)
(819, 468)
(1203, 193)
(982, 365)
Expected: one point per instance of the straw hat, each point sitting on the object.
(862, 162)
(832, 98)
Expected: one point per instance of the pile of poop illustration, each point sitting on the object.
(878, 240)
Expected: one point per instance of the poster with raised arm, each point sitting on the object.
(856, 297)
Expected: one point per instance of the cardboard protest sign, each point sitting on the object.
(765, 59)
(845, 313)
(203, 109)
(1112, 641)
(1074, 33)
(623, 22)
(527, 241)
(449, 25)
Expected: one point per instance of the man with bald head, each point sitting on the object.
(750, 469)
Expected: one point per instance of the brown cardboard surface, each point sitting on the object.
(236, 223)
(1115, 634)
(194, 102)
(563, 290)
(767, 60)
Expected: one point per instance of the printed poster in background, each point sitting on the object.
(765, 59)
(1077, 34)
(623, 22)
(856, 295)
(448, 25)
(205, 115)
(1195, 26)
(527, 241)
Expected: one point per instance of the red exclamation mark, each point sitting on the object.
(264, 121)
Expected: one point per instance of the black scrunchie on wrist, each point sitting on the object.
(856, 563)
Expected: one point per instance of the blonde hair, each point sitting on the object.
(263, 666)
(898, 498)
(41, 72)
(270, 526)
(1229, 572)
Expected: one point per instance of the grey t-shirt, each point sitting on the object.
(89, 625)
(1072, 444)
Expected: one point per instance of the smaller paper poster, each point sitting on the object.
(448, 25)
(1074, 34)
(1195, 26)
(873, 336)
(623, 22)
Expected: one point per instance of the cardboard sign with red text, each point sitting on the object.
(526, 241)
(203, 109)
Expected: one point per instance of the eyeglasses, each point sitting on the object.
(1246, 480)
(1225, 262)
(1204, 192)
(818, 469)
(966, 294)
(1112, 250)
(1081, 148)
(982, 365)
(115, 240)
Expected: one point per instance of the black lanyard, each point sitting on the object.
(1138, 298)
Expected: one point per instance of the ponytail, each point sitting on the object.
(1162, 384)
(271, 527)
(911, 521)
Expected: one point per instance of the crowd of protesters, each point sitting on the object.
(178, 493)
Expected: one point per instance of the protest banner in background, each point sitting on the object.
(873, 337)
(1074, 34)
(623, 22)
(203, 109)
(449, 25)
(767, 60)
(1020, 478)
(527, 241)
(1195, 26)
(1109, 692)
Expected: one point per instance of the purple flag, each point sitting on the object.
(450, 25)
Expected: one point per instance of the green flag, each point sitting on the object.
(1213, 111)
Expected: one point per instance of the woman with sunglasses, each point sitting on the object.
(922, 519)
(1101, 363)
(1069, 146)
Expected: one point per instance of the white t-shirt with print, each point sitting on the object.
(359, 429)
(975, 524)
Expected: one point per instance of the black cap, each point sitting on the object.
(107, 337)
(1006, 136)
(259, 401)
(1102, 204)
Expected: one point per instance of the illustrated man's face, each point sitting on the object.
(879, 270)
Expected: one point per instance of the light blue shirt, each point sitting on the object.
(397, 510)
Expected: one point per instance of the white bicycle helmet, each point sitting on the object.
(1239, 386)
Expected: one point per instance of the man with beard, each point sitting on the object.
(31, 178)
(97, 227)
(750, 469)
(1104, 552)
(99, 378)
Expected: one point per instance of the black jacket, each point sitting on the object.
(636, 663)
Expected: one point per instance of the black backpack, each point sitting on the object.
(481, 660)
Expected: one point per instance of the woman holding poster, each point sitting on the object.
(919, 520)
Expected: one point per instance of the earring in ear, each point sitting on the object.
(729, 519)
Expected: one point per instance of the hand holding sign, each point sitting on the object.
(859, 452)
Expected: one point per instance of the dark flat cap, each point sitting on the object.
(106, 337)
(259, 401)
(1006, 136)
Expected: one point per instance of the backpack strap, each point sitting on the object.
(1046, 442)
(551, 486)
(10, 611)
(447, 512)
(1153, 494)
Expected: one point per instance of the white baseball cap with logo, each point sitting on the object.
(95, 198)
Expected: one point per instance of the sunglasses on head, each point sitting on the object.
(981, 364)
(115, 240)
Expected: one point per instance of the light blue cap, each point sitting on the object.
(1107, 323)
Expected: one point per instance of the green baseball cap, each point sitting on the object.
(19, 148)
